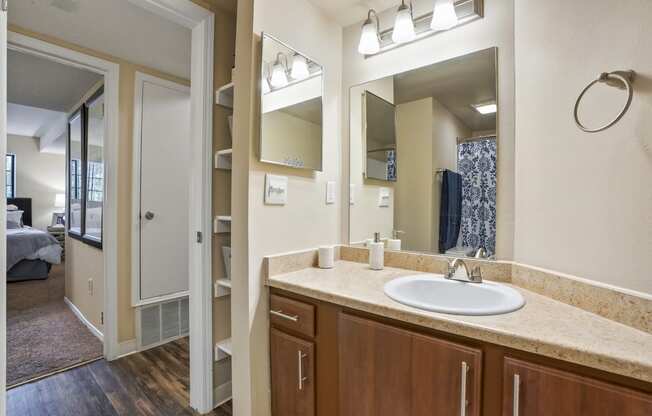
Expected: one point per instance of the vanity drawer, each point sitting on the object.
(292, 315)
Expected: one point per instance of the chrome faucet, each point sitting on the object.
(474, 275)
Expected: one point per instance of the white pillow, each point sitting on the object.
(12, 207)
(15, 217)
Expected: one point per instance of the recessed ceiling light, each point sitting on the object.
(487, 108)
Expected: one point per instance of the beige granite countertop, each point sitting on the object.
(543, 326)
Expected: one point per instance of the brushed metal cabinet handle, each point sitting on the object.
(302, 379)
(280, 314)
(517, 391)
(463, 401)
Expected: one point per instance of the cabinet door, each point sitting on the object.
(446, 379)
(375, 368)
(534, 390)
(387, 371)
(293, 386)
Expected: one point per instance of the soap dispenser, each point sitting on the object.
(377, 253)
(394, 243)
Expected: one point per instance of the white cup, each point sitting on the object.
(326, 257)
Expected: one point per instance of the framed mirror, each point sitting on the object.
(291, 107)
(423, 158)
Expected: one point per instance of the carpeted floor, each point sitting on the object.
(43, 335)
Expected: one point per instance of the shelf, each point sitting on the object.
(224, 95)
(223, 159)
(222, 287)
(222, 224)
(223, 349)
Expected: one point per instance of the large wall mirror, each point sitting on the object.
(291, 107)
(423, 158)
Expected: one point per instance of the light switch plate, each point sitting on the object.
(351, 194)
(276, 189)
(383, 197)
(330, 192)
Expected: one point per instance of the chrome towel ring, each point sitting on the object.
(619, 79)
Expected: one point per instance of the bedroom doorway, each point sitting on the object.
(54, 173)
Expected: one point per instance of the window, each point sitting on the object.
(86, 170)
(10, 175)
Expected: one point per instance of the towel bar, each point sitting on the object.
(619, 79)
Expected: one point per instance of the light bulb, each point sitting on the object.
(279, 77)
(299, 67)
(403, 25)
(444, 16)
(369, 43)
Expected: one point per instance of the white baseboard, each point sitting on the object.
(222, 394)
(127, 347)
(83, 319)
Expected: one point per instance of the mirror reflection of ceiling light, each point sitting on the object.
(403, 25)
(299, 67)
(486, 108)
(279, 76)
(370, 37)
(443, 16)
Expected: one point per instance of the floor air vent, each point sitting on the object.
(162, 322)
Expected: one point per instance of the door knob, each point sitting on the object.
(149, 215)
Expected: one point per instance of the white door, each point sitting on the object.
(164, 187)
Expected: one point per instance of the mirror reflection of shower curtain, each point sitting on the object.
(476, 162)
(391, 165)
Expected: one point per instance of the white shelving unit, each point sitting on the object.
(222, 224)
(222, 287)
(223, 159)
(224, 95)
(223, 349)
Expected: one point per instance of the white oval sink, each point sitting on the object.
(434, 293)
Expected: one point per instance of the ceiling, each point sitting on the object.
(456, 84)
(42, 83)
(29, 121)
(115, 27)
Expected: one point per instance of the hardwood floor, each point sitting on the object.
(153, 382)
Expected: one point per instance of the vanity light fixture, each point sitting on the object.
(485, 108)
(370, 36)
(404, 24)
(299, 67)
(265, 79)
(444, 16)
(279, 76)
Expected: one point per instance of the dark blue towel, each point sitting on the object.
(450, 212)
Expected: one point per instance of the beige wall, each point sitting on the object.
(366, 216)
(584, 201)
(84, 263)
(414, 187)
(126, 324)
(39, 176)
(495, 29)
(306, 220)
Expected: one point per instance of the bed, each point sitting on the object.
(30, 252)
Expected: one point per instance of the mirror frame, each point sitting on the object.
(264, 36)
(495, 49)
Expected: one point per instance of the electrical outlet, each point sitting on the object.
(90, 287)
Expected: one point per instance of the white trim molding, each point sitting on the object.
(202, 23)
(3, 212)
(111, 73)
(83, 319)
(139, 85)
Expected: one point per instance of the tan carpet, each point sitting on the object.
(44, 336)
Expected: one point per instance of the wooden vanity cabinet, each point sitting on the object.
(535, 390)
(358, 364)
(387, 371)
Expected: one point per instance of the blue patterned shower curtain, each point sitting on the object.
(476, 162)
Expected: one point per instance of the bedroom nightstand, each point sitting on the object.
(60, 234)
